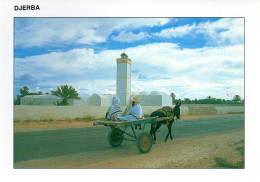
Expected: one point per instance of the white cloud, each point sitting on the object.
(74, 62)
(172, 58)
(225, 30)
(233, 30)
(193, 73)
(86, 87)
(31, 32)
(129, 36)
(187, 87)
(165, 67)
(130, 23)
(176, 32)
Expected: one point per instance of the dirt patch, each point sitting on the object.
(198, 151)
(25, 126)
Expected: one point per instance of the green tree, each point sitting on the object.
(236, 98)
(17, 101)
(24, 91)
(173, 98)
(65, 92)
(187, 101)
(218, 101)
(196, 101)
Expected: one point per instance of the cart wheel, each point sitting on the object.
(115, 137)
(144, 142)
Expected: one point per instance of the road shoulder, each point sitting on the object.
(27, 126)
(198, 151)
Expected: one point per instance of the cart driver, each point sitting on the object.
(135, 112)
(114, 111)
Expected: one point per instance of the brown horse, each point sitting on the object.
(165, 112)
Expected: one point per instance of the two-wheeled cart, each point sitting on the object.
(117, 133)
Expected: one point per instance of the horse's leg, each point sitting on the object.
(152, 131)
(158, 125)
(167, 136)
(169, 131)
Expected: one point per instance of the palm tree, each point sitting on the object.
(24, 91)
(236, 98)
(173, 97)
(65, 92)
(209, 97)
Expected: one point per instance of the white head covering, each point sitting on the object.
(115, 100)
(115, 110)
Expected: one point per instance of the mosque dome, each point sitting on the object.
(144, 93)
(155, 93)
(134, 93)
(158, 93)
(164, 93)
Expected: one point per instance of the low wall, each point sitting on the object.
(22, 113)
(34, 113)
(213, 109)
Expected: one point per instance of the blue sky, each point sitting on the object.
(192, 57)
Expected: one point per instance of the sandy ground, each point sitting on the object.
(53, 125)
(196, 151)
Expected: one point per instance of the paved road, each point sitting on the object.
(43, 144)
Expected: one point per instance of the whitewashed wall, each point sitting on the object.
(34, 113)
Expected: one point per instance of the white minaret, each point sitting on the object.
(123, 79)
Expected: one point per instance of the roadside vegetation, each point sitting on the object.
(84, 119)
(224, 163)
(211, 100)
(236, 113)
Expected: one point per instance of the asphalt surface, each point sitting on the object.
(44, 144)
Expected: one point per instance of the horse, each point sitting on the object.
(165, 112)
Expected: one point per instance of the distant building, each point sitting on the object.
(43, 100)
(144, 93)
(83, 101)
(100, 100)
(155, 98)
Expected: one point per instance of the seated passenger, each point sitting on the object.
(114, 111)
(135, 112)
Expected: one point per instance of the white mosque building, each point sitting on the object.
(123, 91)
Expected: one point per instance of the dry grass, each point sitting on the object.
(224, 163)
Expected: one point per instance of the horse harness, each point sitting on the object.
(166, 112)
